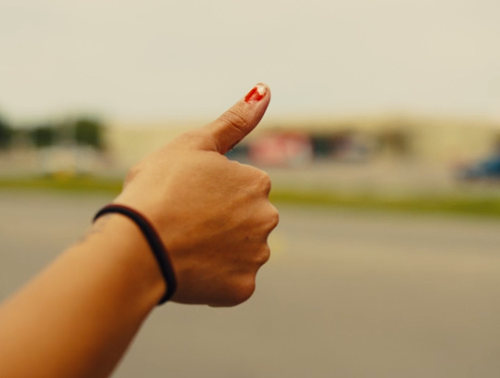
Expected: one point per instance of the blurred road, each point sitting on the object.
(346, 294)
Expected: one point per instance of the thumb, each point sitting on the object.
(238, 121)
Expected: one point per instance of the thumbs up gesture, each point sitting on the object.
(213, 214)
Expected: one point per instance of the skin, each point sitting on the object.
(78, 316)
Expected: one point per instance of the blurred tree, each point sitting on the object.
(89, 132)
(5, 134)
(43, 136)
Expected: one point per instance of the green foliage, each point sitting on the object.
(83, 132)
(5, 134)
(43, 136)
(89, 132)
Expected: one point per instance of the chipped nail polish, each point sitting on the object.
(256, 94)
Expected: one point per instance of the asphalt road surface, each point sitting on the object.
(345, 294)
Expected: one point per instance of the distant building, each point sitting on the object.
(300, 141)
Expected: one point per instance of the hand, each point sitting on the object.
(213, 214)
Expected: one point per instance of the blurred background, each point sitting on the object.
(382, 141)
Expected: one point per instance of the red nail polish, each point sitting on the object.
(256, 94)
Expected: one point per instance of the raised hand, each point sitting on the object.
(212, 214)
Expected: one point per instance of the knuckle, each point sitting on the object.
(274, 217)
(265, 181)
(235, 120)
(261, 180)
(245, 291)
(270, 217)
(263, 256)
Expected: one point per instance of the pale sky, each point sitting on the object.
(154, 60)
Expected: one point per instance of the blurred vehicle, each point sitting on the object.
(488, 169)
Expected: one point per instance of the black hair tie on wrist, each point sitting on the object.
(159, 251)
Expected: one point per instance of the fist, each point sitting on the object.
(213, 214)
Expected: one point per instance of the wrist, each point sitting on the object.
(119, 242)
(155, 243)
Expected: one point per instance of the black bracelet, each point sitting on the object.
(154, 241)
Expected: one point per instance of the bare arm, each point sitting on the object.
(78, 316)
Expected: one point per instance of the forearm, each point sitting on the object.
(77, 317)
(85, 308)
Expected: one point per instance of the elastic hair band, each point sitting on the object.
(159, 251)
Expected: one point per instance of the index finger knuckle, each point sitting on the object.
(274, 217)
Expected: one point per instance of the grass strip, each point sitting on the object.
(429, 203)
(84, 184)
(451, 204)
